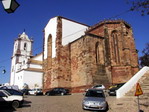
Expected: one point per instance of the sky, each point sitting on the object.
(33, 15)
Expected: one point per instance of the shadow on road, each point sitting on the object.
(26, 104)
(11, 109)
(6, 109)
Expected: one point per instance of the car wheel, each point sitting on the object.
(62, 94)
(48, 94)
(15, 104)
(107, 108)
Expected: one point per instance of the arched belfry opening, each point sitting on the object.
(25, 46)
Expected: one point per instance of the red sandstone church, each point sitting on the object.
(78, 56)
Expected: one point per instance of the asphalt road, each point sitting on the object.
(72, 103)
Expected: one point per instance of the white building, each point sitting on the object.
(71, 31)
(25, 68)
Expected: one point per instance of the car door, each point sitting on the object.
(53, 91)
(61, 90)
(56, 91)
(3, 98)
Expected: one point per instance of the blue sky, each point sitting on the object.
(33, 15)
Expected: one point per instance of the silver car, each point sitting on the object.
(94, 100)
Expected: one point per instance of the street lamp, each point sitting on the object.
(10, 5)
(3, 71)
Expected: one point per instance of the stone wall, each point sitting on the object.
(105, 55)
(121, 55)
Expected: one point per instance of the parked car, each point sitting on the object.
(25, 91)
(13, 91)
(58, 91)
(112, 89)
(10, 87)
(12, 100)
(36, 91)
(99, 86)
(95, 100)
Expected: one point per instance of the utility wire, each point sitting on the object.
(122, 13)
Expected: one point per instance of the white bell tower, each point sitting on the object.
(21, 53)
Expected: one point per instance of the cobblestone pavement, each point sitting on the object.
(72, 103)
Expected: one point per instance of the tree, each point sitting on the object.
(139, 5)
(144, 60)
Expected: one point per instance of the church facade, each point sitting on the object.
(78, 56)
(26, 69)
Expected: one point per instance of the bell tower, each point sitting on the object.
(21, 53)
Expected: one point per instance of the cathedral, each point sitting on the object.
(78, 56)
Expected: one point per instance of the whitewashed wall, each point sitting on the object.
(38, 57)
(19, 79)
(35, 66)
(71, 31)
(31, 78)
(50, 29)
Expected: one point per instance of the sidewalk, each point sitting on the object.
(127, 104)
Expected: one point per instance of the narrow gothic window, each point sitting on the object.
(97, 52)
(50, 45)
(115, 47)
(49, 48)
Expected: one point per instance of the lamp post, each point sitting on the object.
(3, 70)
(10, 5)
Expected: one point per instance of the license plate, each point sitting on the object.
(94, 106)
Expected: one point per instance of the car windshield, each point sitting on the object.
(7, 93)
(94, 93)
(119, 85)
(97, 86)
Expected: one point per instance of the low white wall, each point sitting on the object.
(31, 78)
(129, 85)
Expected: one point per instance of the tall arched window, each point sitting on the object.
(115, 46)
(49, 51)
(99, 53)
(50, 45)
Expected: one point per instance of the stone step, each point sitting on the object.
(145, 81)
(145, 87)
(145, 84)
(145, 91)
(130, 94)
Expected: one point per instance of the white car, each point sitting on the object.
(99, 86)
(95, 100)
(36, 91)
(13, 100)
